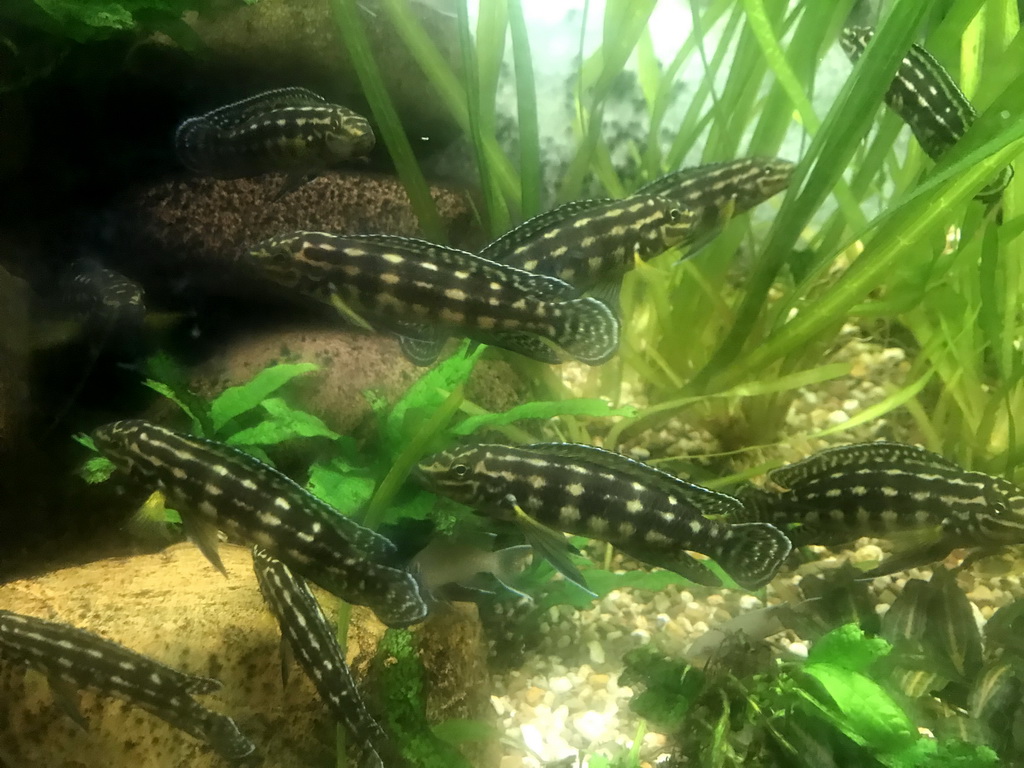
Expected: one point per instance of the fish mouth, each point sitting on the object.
(420, 475)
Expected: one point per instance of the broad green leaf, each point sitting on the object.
(285, 423)
(849, 648)
(234, 401)
(601, 582)
(461, 731)
(96, 470)
(341, 485)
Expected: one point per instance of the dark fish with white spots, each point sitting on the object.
(288, 130)
(717, 192)
(312, 640)
(102, 297)
(591, 244)
(213, 486)
(928, 100)
(885, 489)
(73, 659)
(426, 292)
(580, 489)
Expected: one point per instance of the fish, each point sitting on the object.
(459, 559)
(288, 130)
(881, 488)
(928, 100)
(101, 296)
(311, 639)
(74, 659)
(213, 485)
(717, 192)
(425, 292)
(592, 244)
(581, 489)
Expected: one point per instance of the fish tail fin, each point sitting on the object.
(508, 563)
(589, 330)
(223, 735)
(753, 552)
(190, 140)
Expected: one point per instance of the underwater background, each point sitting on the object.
(505, 383)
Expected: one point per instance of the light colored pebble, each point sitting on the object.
(798, 649)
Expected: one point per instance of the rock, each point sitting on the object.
(350, 364)
(176, 608)
(15, 345)
(249, 47)
(193, 231)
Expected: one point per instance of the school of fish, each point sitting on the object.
(547, 289)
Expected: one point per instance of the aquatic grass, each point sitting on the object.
(346, 14)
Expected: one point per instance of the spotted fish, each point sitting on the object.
(288, 130)
(584, 490)
(74, 659)
(928, 100)
(102, 297)
(593, 243)
(213, 485)
(426, 292)
(884, 488)
(719, 191)
(311, 639)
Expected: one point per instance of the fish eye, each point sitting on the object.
(460, 470)
(675, 215)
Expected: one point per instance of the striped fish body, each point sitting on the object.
(928, 100)
(289, 130)
(427, 292)
(102, 296)
(718, 191)
(74, 658)
(882, 488)
(216, 486)
(593, 242)
(314, 644)
(583, 490)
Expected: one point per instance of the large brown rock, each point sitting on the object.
(195, 229)
(350, 363)
(175, 607)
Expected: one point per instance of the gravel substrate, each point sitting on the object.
(565, 698)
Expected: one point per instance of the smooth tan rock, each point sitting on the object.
(175, 607)
(350, 363)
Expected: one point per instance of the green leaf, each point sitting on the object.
(96, 470)
(234, 401)
(849, 648)
(286, 423)
(601, 582)
(337, 482)
(542, 410)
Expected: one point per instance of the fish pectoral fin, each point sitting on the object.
(204, 535)
(608, 291)
(287, 659)
(65, 696)
(911, 558)
(292, 181)
(549, 543)
(349, 314)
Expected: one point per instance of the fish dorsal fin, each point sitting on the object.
(848, 457)
(420, 347)
(709, 502)
(238, 112)
(287, 659)
(500, 249)
(524, 343)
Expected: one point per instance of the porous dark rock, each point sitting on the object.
(194, 229)
(176, 608)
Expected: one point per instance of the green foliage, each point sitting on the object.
(398, 673)
(91, 20)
